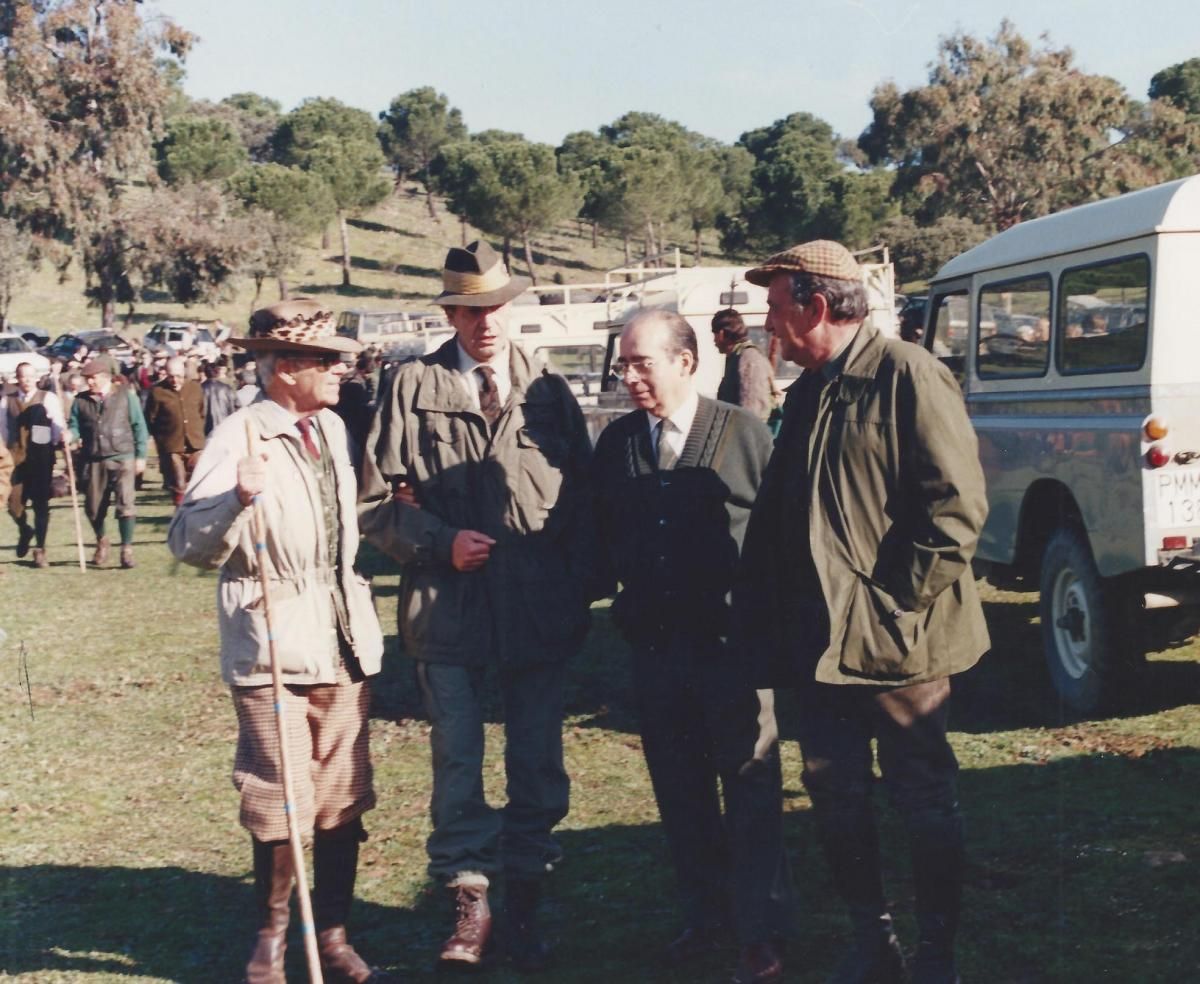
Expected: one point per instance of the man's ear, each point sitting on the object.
(818, 306)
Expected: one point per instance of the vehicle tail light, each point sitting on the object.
(1155, 428)
(1175, 543)
(1157, 456)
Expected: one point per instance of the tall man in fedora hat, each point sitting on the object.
(857, 591)
(475, 480)
(326, 635)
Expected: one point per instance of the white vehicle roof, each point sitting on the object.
(1170, 207)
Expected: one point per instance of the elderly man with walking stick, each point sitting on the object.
(308, 612)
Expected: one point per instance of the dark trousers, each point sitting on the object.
(468, 834)
(836, 726)
(699, 724)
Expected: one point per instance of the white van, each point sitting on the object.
(1077, 343)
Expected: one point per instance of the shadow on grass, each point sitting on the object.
(1080, 869)
(353, 290)
(368, 226)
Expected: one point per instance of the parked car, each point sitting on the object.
(13, 351)
(179, 337)
(36, 337)
(97, 340)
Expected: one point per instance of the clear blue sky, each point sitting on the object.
(546, 68)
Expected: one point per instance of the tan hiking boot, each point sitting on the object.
(127, 556)
(39, 557)
(100, 557)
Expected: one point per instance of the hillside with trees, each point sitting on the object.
(123, 201)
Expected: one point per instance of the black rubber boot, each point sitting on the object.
(272, 891)
(525, 948)
(335, 866)
(937, 844)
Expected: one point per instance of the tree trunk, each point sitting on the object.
(625, 237)
(529, 260)
(462, 224)
(325, 237)
(258, 282)
(345, 230)
(283, 290)
(698, 246)
(108, 314)
(595, 232)
(508, 254)
(429, 205)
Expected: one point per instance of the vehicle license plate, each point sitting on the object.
(1177, 497)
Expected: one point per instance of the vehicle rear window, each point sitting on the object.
(1102, 316)
(1014, 328)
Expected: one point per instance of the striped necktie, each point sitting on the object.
(666, 454)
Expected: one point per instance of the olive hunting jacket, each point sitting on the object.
(523, 483)
(886, 462)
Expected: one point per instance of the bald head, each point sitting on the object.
(176, 371)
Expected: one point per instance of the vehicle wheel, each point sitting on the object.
(1087, 631)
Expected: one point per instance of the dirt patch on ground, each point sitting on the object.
(1094, 741)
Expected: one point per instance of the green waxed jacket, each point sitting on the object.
(525, 485)
(897, 504)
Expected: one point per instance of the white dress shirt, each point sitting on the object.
(682, 419)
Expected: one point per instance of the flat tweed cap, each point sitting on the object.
(98, 364)
(474, 276)
(298, 325)
(821, 257)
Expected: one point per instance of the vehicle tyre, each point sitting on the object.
(1088, 630)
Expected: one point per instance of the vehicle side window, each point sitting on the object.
(1102, 316)
(1014, 328)
(948, 331)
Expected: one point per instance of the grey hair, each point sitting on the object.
(847, 299)
(265, 363)
(680, 336)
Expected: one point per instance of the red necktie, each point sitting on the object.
(310, 445)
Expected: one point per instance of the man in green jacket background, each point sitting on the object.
(107, 420)
(475, 479)
(858, 591)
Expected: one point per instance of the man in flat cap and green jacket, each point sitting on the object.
(475, 479)
(857, 591)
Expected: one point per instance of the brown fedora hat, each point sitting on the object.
(298, 325)
(474, 276)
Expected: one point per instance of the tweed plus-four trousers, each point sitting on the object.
(108, 480)
(328, 752)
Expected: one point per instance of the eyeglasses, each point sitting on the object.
(637, 367)
(324, 362)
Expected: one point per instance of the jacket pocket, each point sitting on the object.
(540, 458)
(431, 610)
(882, 640)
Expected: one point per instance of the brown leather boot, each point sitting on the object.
(100, 557)
(39, 557)
(127, 556)
(335, 865)
(473, 923)
(272, 892)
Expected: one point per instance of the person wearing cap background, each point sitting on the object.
(326, 634)
(107, 421)
(748, 380)
(674, 482)
(857, 590)
(475, 479)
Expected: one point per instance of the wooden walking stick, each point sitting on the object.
(71, 477)
(285, 768)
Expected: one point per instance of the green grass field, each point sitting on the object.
(121, 858)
